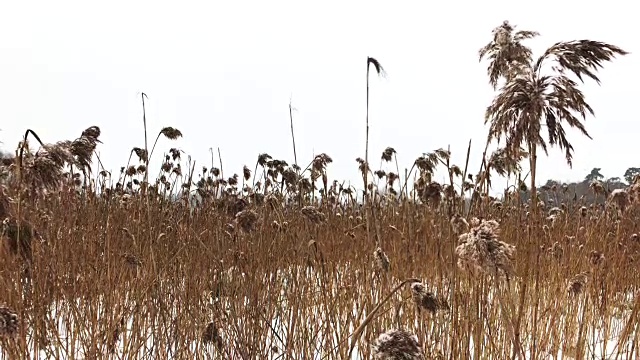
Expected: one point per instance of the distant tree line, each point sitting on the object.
(556, 192)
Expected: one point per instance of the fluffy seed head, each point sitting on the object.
(481, 249)
(584, 211)
(596, 258)
(141, 154)
(397, 345)
(427, 300)
(247, 220)
(315, 216)
(459, 224)
(171, 133)
(8, 322)
(381, 260)
(246, 173)
(387, 154)
(619, 198)
(211, 335)
(577, 283)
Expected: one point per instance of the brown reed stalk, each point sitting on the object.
(293, 137)
(355, 336)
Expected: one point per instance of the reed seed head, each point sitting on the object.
(459, 224)
(132, 260)
(320, 162)
(596, 258)
(397, 345)
(426, 300)
(584, 211)
(247, 220)
(246, 173)
(481, 249)
(8, 322)
(211, 335)
(263, 158)
(387, 154)
(313, 215)
(141, 154)
(577, 283)
(381, 260)
(171, 133)
(619, 198)
(597, 187)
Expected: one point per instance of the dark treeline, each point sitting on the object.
(555, 192)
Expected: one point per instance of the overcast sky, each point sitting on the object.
(223, 73)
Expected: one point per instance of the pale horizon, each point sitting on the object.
(224, 73)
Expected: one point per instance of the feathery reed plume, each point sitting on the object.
(246, 173)
(634, 189)
(482, 250)
(8, 322)
(506, 162)
(620, 199)
(597, 187)
(21, 245)
(247, 220)
(83, 147)
(211, 335)
(387, 154)
(426, 300)
(380, 174)
(596, 258)
(376, 64)
(577, 283)
(363, 166)
(141, 154)
(556, 250)
(263, 159)
(397, 345)
(531, 96)
(381, 260)
(44, 169)
(132, 260)
(171, 133)
(284, 226)
(313, 215)
(92, 132)
(320, 162)
(506, 51)
(391, 179)
(583, 211)
(459, 224)
(429, 191)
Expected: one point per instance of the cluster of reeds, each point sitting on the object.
(481, 249)
(276, 262)
(259, 265)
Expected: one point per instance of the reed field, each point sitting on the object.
(279, 260)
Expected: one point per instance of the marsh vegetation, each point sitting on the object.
(281, 261)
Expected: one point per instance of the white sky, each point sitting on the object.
(223, 72)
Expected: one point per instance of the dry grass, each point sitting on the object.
(251, 268)
(285, 263)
